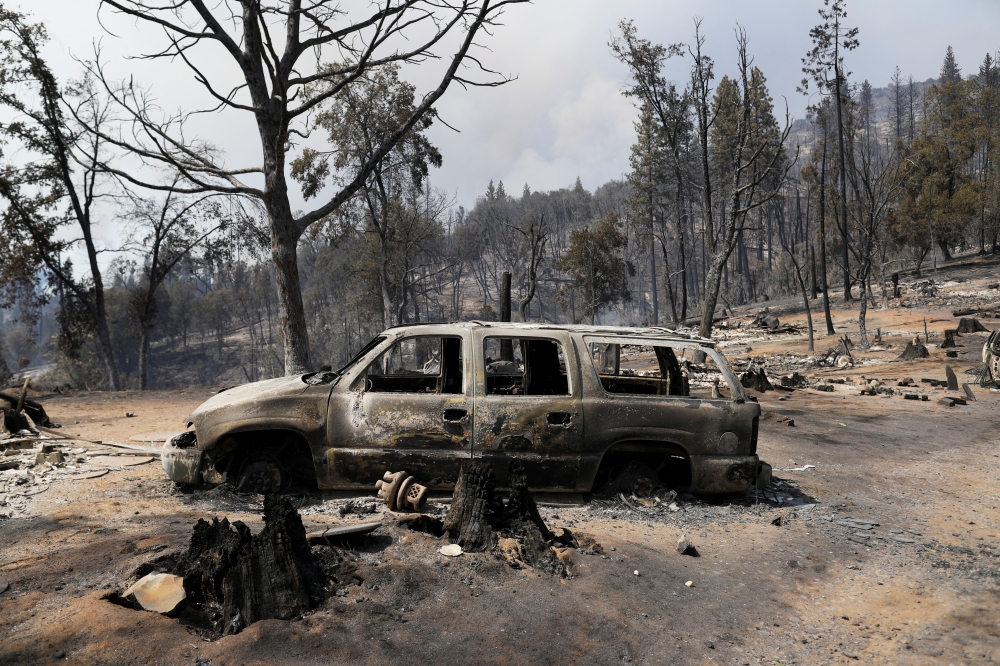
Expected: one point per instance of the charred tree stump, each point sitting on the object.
(949, 339)
(474, 508)
(522, 521)
(971, 325)
(914, 350)
(949, 372)
(234, 578)
(276, 576)
(756, 380)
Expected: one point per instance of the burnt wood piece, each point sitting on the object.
(971, 325)
(949, 339)
(952, 378)
(276, 576)
(472, 520)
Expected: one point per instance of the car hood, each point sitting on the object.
(285, 403)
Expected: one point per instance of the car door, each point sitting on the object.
(411, 410)
(528, 406)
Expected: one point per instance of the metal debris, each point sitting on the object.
(401, 492)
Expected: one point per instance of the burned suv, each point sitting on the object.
(569, 402)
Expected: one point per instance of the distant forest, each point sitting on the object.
(726, 203)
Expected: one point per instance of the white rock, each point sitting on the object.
(690, 583)
(451, 550)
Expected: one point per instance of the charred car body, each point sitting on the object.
(569, 402)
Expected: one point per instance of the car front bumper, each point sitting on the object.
(181, 460)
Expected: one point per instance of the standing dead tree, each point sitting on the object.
(790, 251)
(535, 238)
(758, 170)
(877, 178)
(830, 40)
(278, 47)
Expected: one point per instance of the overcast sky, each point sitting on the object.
(564, 116)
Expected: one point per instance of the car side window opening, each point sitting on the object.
(424, 364)
(638, 369)
(525, 366)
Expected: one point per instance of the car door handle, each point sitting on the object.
(560, 419)
(455, 414)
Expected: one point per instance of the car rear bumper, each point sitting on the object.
(711, 475)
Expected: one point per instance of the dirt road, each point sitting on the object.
(893, 559)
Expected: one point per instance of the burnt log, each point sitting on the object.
(475, 511)
(971, 325)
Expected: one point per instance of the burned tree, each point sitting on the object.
(278, 49)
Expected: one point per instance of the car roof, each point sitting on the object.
(651, 332)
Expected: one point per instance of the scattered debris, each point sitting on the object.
(49, 454)
(129, 414)
(915, 396)
(157, 592)
(950, 401)
(360, 507)
(401, 492)
(968, 392)
(778, 418)
(126, 460)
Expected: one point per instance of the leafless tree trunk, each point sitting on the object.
(280, 90)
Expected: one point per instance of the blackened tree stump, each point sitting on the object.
(236, 578)
(471, 521)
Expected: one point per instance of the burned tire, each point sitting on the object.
(262, 475)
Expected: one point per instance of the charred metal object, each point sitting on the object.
(401, 492)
